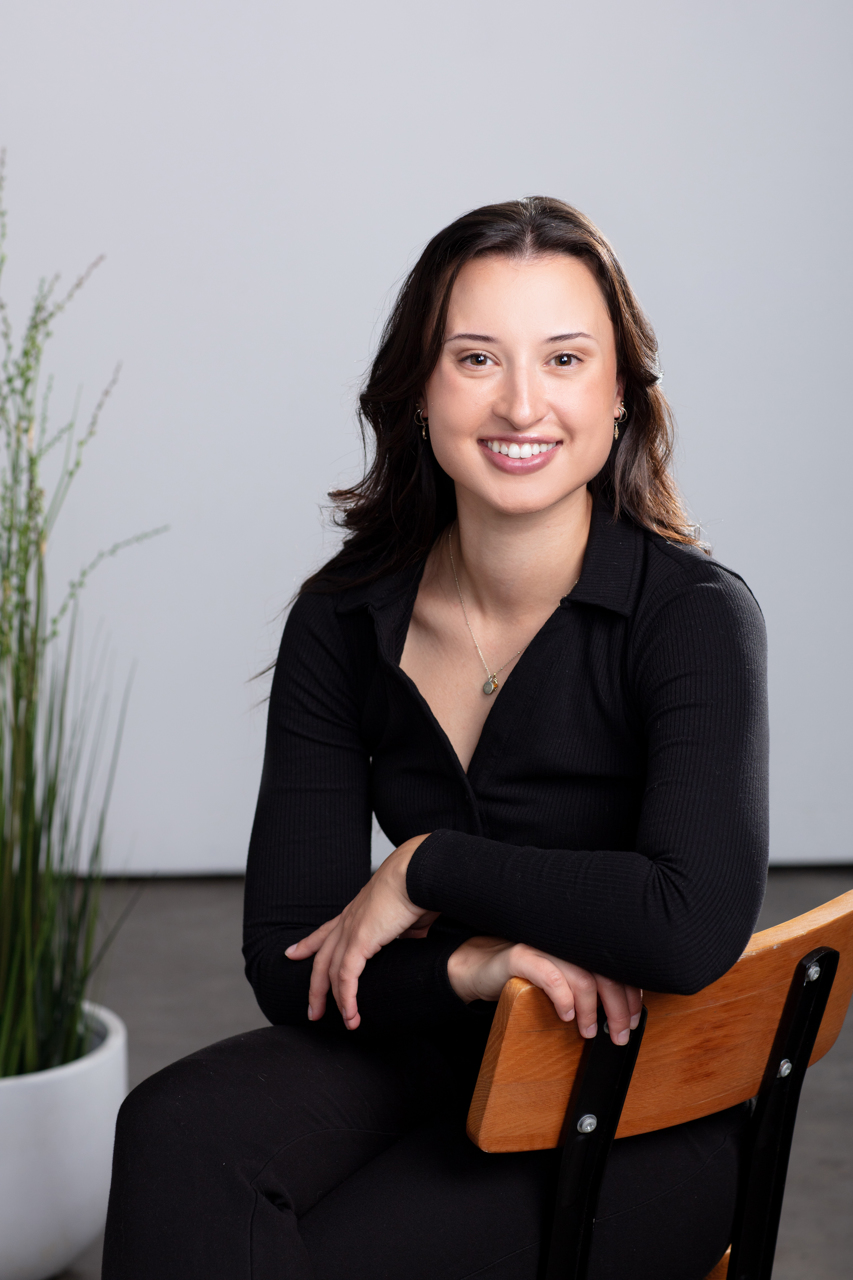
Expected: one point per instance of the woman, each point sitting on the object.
(553, 700)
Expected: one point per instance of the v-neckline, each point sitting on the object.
(442, 732)
(609, 579)
(466, 773)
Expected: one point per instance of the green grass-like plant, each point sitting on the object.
(54, 782)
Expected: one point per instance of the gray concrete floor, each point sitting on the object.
(174, 974)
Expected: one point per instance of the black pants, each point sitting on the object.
(309, 1154)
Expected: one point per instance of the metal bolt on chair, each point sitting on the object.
(751, 1034)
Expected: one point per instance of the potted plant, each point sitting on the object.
(63, 1060)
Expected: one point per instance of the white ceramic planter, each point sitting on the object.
(56, 1145)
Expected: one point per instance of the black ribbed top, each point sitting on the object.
(614, 812)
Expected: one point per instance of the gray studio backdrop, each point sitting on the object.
(260, 174)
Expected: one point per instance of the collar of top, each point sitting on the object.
(610, 577)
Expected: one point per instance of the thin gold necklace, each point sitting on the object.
(491, 676)
(491, 683)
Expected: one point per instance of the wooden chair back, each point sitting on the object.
(700, 1053)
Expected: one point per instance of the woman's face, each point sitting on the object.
(522, 401)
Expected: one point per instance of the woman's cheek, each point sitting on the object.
(450, 449)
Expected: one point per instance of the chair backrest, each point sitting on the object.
(700, 1053)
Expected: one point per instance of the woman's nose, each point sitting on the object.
(520, 401)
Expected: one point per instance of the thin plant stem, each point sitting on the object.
(54, 792)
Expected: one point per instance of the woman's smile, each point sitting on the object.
(519, 456)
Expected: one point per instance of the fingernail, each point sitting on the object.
(288, 950)
(635, 1022)
(310, 1014)
(591, 1030)
(622, 1037)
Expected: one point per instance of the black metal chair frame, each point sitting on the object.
(595, 1107)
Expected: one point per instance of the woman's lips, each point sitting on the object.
(519, 466)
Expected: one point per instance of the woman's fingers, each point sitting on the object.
(585, 989)
(359, 932)
(318, 945)
(572, 991)
(539, 969)
(380, 912)
(617, 1008)
(575, 992)
(309, 946)
(319, 985)
(346, 969)
(338, 964)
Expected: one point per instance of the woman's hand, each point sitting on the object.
(381, 912)
(479, 968)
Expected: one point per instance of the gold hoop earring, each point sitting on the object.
(421, 422)
(622, 416)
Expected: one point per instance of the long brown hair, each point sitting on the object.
(395, 513)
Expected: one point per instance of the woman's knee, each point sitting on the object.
(169, 1109)
(196, 1103)
(274, 1085)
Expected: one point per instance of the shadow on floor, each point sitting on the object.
(174, 974)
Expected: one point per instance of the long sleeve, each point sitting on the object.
(673, 912)
(310, 847)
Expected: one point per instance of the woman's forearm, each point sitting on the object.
(646, 922)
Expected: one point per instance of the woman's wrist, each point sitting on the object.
(467, 969)
(397, 864)
(458, 970)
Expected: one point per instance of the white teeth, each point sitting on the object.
(525, 450)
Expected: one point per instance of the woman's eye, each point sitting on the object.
(565, 360)
(477, 358)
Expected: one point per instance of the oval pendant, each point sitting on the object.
(490, 686)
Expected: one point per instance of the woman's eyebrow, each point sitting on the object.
(472, 337)
(485, 337)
